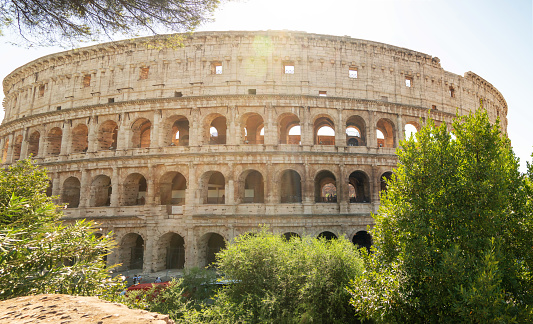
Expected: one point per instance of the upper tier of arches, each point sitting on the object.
(243, 63)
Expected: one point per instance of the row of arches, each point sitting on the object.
(176, 132)
(213, 185)
(171, 253)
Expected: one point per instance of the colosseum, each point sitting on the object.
(180, 149)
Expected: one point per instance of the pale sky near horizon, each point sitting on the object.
(491, 38)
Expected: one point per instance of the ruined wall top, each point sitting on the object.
(250, 60)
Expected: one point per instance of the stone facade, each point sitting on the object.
(178, 149)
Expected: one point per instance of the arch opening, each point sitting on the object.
(385, 177)
(327, 236)
(289, 130)
(141, 129)
(80, 139)
(325, 187)
(178, 132)
(173, 186)
(55, 136)
(33, 144)
(254, 188)
(71, 192)
(361, 187)
(290, 187)
(216, 185)
(253, 129)
(217, 131)
(324, 131)
(209, 245)
(101, 191)
(134, 190)
(355, 131)
(132, 251)
(362, 239)
(108, 136)
(385, 133)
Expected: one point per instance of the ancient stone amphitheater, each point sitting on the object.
(177, 149)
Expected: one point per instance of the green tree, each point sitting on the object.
(453, 233)
(53, 22)
(38, 254)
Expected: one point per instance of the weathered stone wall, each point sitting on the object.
(126, 131)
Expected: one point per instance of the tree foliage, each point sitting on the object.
(274, 280)
(53, 22)
(38, 254)
(453, 237)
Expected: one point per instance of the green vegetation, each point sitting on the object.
(37, 253)
(454, 232)
(68, 22)
(269, 279)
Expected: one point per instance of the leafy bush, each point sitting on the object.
(286, 281)
(38, 254)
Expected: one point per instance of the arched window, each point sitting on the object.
(217, 130)
(385, 133)
(33, 144)
(209, 245)
(101, 191)
(55, 136)
(80, 139)
(178, 133)
(360, 187)
(253, 129)
(134, 190)
(289, 129)
(355, 131)
(290, 187)
(325, 187)
(108, 136)
(172, 188)
(216, 189)
(141, 129)
(253, 188)
(172, 249)
(410, 130)
(71, 192)
(324, 131)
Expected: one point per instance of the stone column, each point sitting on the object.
(306, 127)
(195, 128)
(10, 147)
(230, 190)
(85, 189)
(150, 187)
(115, 185)
(400, 133)
(149, 251)
(24, 146)
(124, 132)
(231, 131)
(371, 130)
(271, 132)
(92, 135)
(191, 259)
(340, 131)
(155, 140)
(42, 145)
(65, 137)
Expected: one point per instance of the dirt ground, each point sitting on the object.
(73, 309)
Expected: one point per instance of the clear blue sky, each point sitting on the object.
(493, 39)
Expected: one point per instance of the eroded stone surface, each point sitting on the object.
(48, 308)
